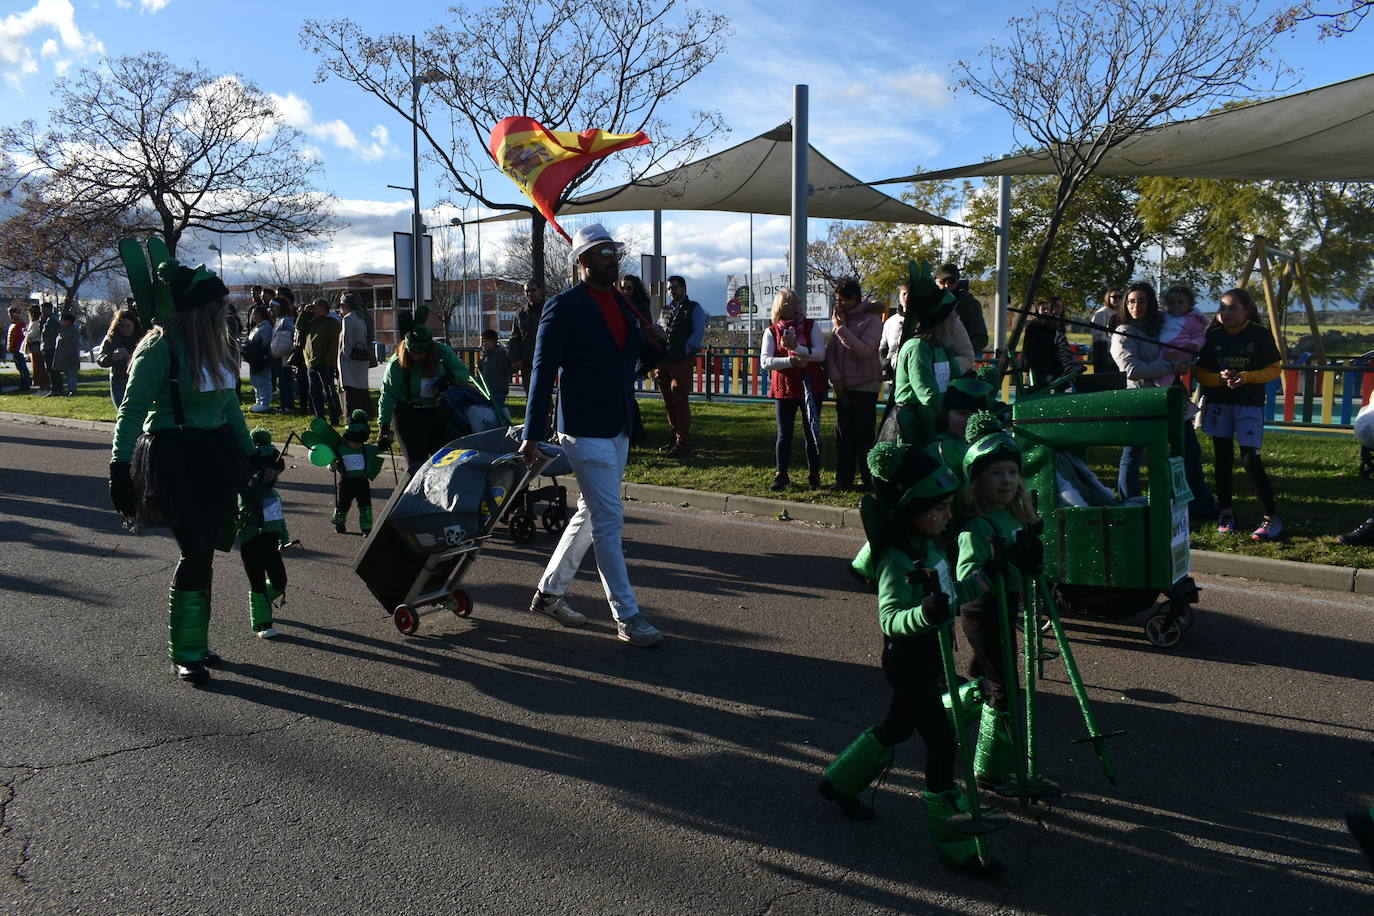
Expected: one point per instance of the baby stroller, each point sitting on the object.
(1109, 559)
(467, 411)
(432, 529)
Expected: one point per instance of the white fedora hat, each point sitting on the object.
(589, 237)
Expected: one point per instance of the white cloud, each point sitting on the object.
(296, 112)
(152, 6)
(18, 32)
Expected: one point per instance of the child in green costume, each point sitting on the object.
(358, 464)
(180, 442)
(262, 535)
(903, 522)
(997, 506)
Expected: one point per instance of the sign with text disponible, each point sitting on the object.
(765, 286)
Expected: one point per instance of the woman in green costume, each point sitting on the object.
(415, 377)
(181, 447)
(904, 522)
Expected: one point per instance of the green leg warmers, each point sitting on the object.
(858, 765)
(188, 623)
(995, 759)
(365, 518)
(259, 611)
(951, 846)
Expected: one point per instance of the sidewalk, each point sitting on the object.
(1285, 572)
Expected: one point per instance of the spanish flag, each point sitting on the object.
(542, 161)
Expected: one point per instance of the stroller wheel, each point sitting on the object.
(521, 526)
(1185, 618)
(406, 619)
(555, 519)
(461, 603)
(1163, 632)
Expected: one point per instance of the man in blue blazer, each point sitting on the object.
(599, 342)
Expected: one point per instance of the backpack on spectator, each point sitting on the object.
(282, 341)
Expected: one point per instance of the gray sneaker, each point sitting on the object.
(556, 606)
(637, 631)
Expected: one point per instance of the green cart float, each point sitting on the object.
(1104, 558)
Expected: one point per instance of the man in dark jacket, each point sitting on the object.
(322, 360)
(599, 342)
(970, 310)
(521, 345)
(684, 323)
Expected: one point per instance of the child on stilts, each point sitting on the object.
(262, 534)
(903, 521)
(997, 507)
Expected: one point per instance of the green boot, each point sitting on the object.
(851, 772)
(995, 759)
(260, 615)
(365, 519)
(338, 520)
(970, 702)
(955, 848)
(188, 623)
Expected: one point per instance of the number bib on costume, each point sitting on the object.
(354, 461)
(220, 381)
(427, 387)
(942, 372)
(271, 510)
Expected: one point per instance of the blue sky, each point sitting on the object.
(880, 99)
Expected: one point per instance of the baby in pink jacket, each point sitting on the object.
(1184, 326)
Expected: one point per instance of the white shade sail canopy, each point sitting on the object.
(1324, 134)
(753, 177)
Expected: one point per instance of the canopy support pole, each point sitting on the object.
(800, 146)
(999, 331)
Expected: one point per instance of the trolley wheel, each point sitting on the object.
(407, 620)
(521, 526)
(461, 604)
(555, 519)
(1162, 631)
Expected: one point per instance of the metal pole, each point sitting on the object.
(753, 301)
(657, 282)
(481, 309)
(800, 191)
(464, 226)
(999, 331)
(417, 223)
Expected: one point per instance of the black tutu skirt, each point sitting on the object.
(181, 472)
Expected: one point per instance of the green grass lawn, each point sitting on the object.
(1316, 479)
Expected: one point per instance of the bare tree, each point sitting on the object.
(568, 64)
(45, 239)
(1080, 79)
(186, 149)
(1341, 18)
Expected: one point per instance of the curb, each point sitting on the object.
(1347, 579)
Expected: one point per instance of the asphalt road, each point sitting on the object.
(502, 764)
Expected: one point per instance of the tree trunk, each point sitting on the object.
(537, 226)
(1042, 260)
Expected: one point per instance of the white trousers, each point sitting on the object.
(599, 465)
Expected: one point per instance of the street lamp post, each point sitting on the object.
(464, 228)
(417, 223)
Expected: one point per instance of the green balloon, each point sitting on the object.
(322, 456)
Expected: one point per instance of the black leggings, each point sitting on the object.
(912, 666)
(420, 431)
(351, 489)
(262, 562)
(1254, 469)
(195, 534)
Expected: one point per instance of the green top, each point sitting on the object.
(147, 406)
(358, 460)
(975, 550)
(924, 370)
(401, 386)
(322, 342)
(260, 511)
(899, 602)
